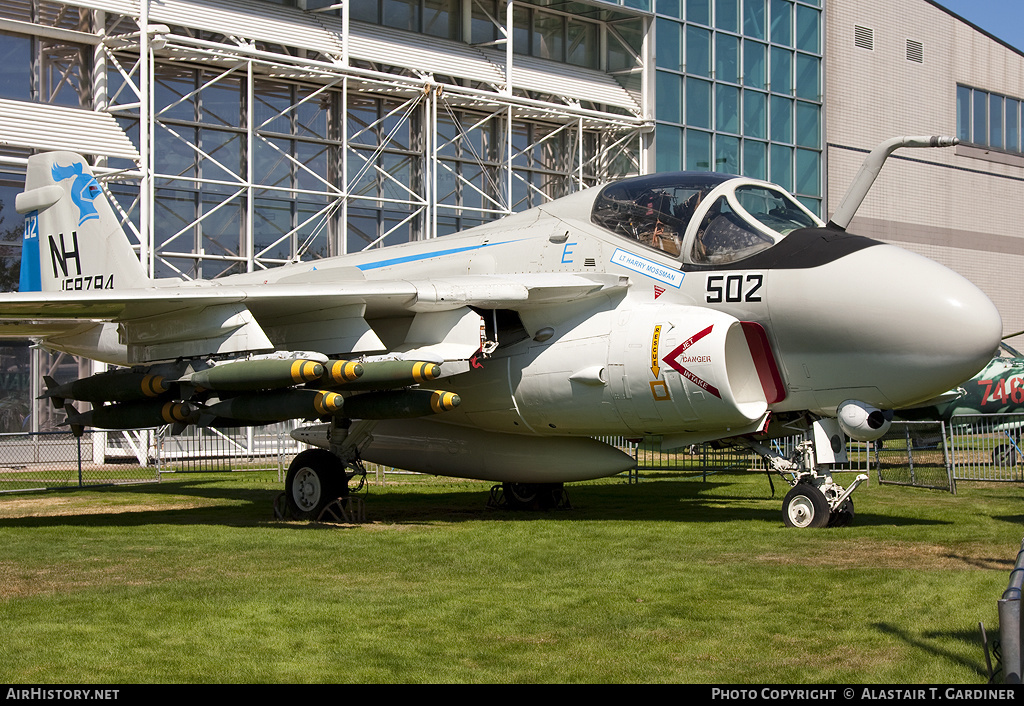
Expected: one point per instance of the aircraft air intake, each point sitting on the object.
(697, 369)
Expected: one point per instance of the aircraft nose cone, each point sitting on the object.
(897, 323)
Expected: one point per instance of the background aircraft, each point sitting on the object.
(688, 306)
(997, 389)
(997, 392)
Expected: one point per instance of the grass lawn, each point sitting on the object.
(670, 580)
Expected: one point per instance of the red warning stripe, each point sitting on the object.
(764, 362)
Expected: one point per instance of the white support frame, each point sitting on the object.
(364, 182)
(361, 178)
(413, 125)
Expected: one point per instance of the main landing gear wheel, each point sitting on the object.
(805, 506)
(315, 478)
(532, 496)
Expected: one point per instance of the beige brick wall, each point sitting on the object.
(962, 207)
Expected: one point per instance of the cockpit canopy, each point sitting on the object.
(700, 217)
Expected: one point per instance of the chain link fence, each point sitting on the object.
(703, 459)
(924, 454)
(48, 460)
(911, 453)
(915, 453)
(204, 450)
(61, 460)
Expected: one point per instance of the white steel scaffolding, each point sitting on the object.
(247, 134)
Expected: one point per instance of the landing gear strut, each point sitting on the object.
(815, 499)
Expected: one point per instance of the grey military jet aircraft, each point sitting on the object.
(688, 306)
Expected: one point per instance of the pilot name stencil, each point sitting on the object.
(652, 269)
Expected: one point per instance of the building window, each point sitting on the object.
(45, 70)
(438, 18)
(989, 120)
(566, 38)
(738, 90)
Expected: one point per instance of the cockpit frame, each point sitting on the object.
(701, 218)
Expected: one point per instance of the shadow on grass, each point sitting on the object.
(210, 502)
(679, 498)
(927, 644)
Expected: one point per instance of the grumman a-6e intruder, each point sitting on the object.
(689, 306)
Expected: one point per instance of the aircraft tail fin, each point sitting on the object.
(73, 239)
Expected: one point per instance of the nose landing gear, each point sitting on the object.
(815, 500)
(819, 502)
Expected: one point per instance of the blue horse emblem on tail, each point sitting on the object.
(84, 189)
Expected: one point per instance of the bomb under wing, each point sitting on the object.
(380, 374)
(280, 405)
(399, 404)
(248, 375)
(342, 372)
(130, 415)
(276, 406)
(113, 386)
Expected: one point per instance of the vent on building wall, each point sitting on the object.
(915, 51)
(864, 37)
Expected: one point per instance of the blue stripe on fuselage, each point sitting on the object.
(427, 255)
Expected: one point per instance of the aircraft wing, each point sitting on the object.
(38, 328)
(161, 323)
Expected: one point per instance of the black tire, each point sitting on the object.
(1004, 456)
(532, 496)
(805, 506)
(315, 478)
(843, 517)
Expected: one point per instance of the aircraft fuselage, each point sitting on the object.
(815, 319)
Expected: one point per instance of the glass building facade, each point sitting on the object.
(239, 135)
(312, 139)
(739, 90)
